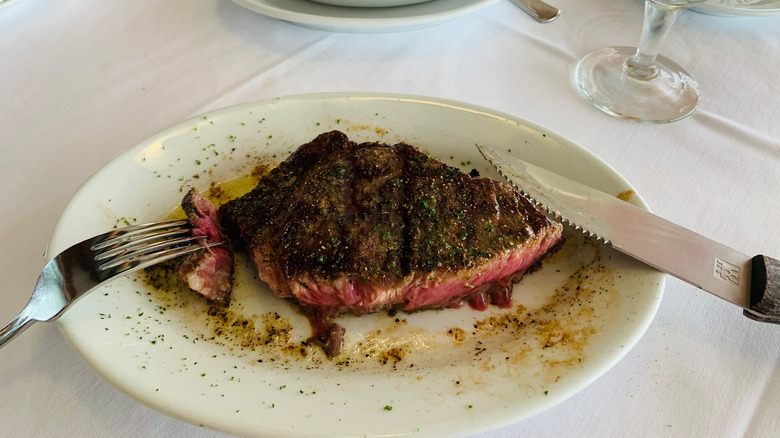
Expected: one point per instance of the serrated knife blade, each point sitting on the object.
(752, 283)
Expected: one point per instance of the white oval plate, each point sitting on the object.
(747, 8)
(364, 20)
(440, 373)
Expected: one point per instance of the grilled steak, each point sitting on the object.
(208, 271)
(364, 227)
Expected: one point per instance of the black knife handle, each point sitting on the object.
(764, 290)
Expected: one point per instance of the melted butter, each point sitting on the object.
(222, 192)
(625, 195)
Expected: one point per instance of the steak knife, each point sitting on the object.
(752, 283)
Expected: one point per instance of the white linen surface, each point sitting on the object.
(82, 80)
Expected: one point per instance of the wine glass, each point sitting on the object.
(638, 84)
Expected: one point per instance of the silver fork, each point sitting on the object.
(538, 9)
(88, 264)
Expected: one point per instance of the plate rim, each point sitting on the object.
(720, 9)
(363, 24)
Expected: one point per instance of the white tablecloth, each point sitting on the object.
(82, 80)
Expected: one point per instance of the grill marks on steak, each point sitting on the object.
(208, 271)
(364, 227)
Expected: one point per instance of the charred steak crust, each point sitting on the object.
(340, 225)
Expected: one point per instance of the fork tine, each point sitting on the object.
(139, 241)
(120, 255)
(126, 264)
(136, 231)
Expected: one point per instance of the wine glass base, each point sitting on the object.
(669, 96)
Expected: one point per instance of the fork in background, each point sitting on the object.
(86, 265)
(538, 9)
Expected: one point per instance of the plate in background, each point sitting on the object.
(364, 20)
(7, 4)
(370, 3)
(749, 8)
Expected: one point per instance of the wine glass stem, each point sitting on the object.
(658, 20)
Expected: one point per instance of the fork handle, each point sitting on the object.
(15, 327)
(541, 11)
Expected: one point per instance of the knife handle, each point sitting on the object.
(764, 290)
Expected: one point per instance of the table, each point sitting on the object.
(83, 80)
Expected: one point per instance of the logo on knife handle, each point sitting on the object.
(727, 272)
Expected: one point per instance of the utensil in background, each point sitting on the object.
(752, 283)
(638, 84)
(538, 9)
(86, 265)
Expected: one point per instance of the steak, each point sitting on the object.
(341, 226)
(208, 271)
